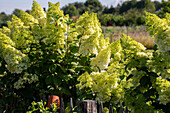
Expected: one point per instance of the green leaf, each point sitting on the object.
(65, 91)
(144, 81)
(88, 69)
(122, 77)
(53, 57)
(49, 79)
(57, 81)
(72, 70)
(79, 68)
(2, 75)
(149, 93)
(155, 47)
(52, 68)
(152, 74)
(130, 76)
(79, 36)
(73, 63)
(74, 49)
(63, 69)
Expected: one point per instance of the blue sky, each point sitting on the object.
(8, 6)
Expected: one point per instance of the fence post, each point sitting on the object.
(104, 32)
(126, 111)
(121, 109)
(89, 106)
(78, 104)
(71, 104)
(127, 28)
(110, 108)
(62, 110)
(101, 107)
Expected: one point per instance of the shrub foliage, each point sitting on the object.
(45, 53)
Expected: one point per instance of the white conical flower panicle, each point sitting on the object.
(160, 28)
(15, 59)
(92, 40)
(38, 13)
(102, 60)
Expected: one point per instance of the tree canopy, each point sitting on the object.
(133, 9)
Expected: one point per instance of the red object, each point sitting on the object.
(54, 99)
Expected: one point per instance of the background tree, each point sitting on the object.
(131, 17)
(17, 12)
(149, 6)
(93, 6)
(122, 9)
(3, 19)
(110, 10)
(71, 10)
(80, 7)
(28, 11)
(158, 5)
(106, 19)
(119, 20)
(126, 6)
(106, 10)
(165, 8)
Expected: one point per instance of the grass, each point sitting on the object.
(138, 33)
